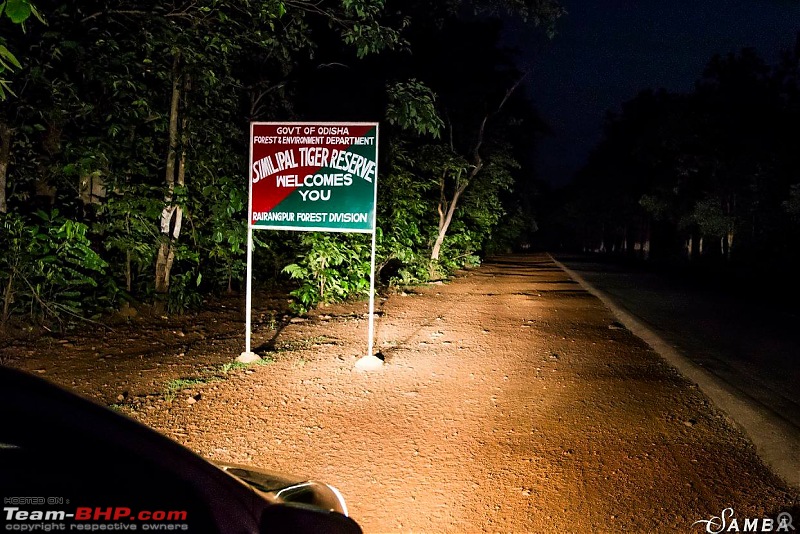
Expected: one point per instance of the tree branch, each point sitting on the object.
(310, 7)
(475, 153)
(175, 14)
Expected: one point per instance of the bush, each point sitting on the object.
(332, 269)
(48, 269)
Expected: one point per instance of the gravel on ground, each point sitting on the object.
(510, 401)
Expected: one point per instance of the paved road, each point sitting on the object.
(754, 350)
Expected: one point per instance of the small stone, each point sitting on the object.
(191, 400)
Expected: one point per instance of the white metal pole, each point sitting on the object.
(247, 355)
(249, 298)
(371, 336)
(372, 267)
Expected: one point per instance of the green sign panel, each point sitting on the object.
(313, 176)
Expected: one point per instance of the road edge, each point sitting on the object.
(774, 439)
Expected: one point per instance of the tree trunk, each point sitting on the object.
(128, 272)
(729, 243)
(171, 216)
(730, 211)
(447, 208)
(5, 156)
(8, 294)
(602, 248)
(166, 255)
(444, 223)
(697, 243)
(625, 240)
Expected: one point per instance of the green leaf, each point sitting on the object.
(18, 10)
(5, 88)
(6, 55)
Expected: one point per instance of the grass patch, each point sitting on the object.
(270, 321)
(179, 384)
(125, 409)
(229, 367)
(215, 373)
(184, 383)
(226, 368)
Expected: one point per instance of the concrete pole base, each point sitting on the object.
(248, 357)
(369, 363)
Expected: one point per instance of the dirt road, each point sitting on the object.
(510, 402)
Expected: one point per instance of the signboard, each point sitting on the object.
(313, 176)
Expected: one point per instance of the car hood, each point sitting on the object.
(281, 488)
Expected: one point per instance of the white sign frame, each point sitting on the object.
(248, 354)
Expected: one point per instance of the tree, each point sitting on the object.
(717, 163)
(450, 95)
(459, 174)
(196, 51)
(128, 123)
(476, 86)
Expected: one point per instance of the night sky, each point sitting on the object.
(606, 51)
